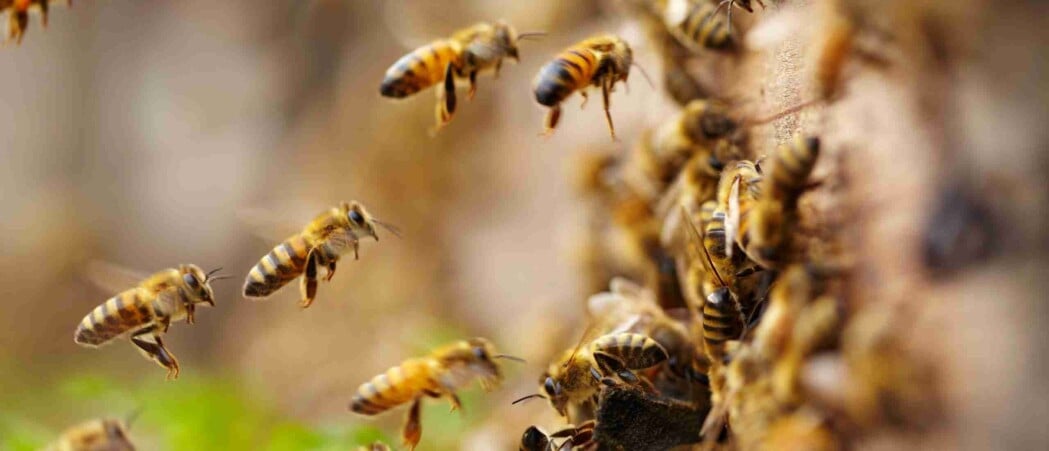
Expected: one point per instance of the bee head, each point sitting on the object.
(359, 219)
(198, 284)
(622, 58)
(555, 393)
(507, 38)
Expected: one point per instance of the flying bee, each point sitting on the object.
(580, 436)
(600, 61)
(94, 435)
(577, 377)
(466, 53)
(18, 15)
(696, 25)
(144, 313)
(320, 244)
(440, 374)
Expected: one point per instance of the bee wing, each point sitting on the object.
(262, 224)
(342, 238)
(110, 277)
(732, 218)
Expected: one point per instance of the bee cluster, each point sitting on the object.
(721, 313)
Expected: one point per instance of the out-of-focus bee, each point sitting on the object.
(320, 244)
(18, 15)
(442, 373)
(695, 23)
(801, 430)
(467, 52)
(577, 377)
(763, 223)
(94, 435)
(600, 61)
(580, 436)
(144, 313)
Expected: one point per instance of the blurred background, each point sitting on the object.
(149, 134)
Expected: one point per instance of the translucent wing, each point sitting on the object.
(265, 224)
(112, 278)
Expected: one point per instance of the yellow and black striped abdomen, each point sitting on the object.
(635, 350)
(422, 68)
(396, 386)
(283, 264)
(791, 168)
(722, 321)
(704, 27)
(128, 311)
(570, 71)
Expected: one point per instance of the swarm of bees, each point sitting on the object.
(721, 319)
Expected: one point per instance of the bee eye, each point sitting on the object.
(191, 281)
(356, 217)
(550, 387)
(480, 353)
(715, 163)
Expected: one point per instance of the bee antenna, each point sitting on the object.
(526, 398)
(702, 237)
(220, 277)
(396, 231)
(509, 357)
(213, 271)
(533, 35)
(643, 74)
(786, 112)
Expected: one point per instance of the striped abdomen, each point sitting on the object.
(396, 386)
(283, 264)
(422, 68)
(791, 167)
(704, 27)
(126, 312)
(635, 350)
(722, 321)
(571, 70)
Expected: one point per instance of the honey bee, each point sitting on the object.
(722, 321)
(94, 435)
(762, 222)
(694, 187)
(467, 52)
(600, 61)
(695, 23)
(320, 244)
(441, 374)
(18, 15)
(580, 436)
(144, 313)
(577, 377)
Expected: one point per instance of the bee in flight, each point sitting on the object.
(18, 15)
(94, 435)
(577, 377)
(320, 244)
(600, 61)
(143, 313)
(440, 374)
(581, 436)
(467, 52)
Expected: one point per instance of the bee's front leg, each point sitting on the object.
(190, 310)
(606, 89)
(413, 429)
(156, 351)
(308, 285)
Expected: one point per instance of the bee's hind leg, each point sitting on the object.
(413, 429)
(446, 100)
(156, 351)
(308, 285)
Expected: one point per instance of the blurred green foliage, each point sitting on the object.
(197, 413)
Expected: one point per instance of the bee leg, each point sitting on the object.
(43, 13)
(331, 272)
(602, 379)
(155, 351)
(356, 249)
(473, 86)
(606, 89)
(190, 310)
(308, 286)
(611, 364)
(585, 98)
(456, 403)
(413, 429)
(163, 322)
(447, 101)
(498, 66)
(552, 118)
